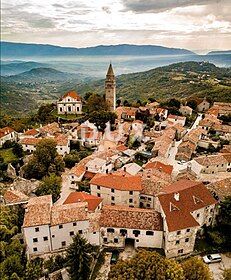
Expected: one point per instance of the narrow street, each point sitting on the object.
(65, 189)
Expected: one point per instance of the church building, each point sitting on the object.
(70, 103)
(110, 88)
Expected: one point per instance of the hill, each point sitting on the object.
(15, 68)
(9, 49)
(180, 80)
(219, 52)
(41, 75)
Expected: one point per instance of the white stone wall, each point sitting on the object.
(120, 197)
(63, 150)
(196, 167)
(140, 240)
(11, 136)
(28, 148)
(59, 235)
(42, 246)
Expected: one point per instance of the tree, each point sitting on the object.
(192, 104)
(96, 103)
(71, 159)
(126, 103)
(100, 118)
(79, 258)
(147, 265)
(195, 269)
(50, 185)
(118, 102)
(45, 160)
(33, 269)
(174, 103)
(17, 150)
(11, 265)
(44, 114)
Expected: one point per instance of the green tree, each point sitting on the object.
(100, 118)
(17, 150)
(71, 159)
(44, 114)
(195, 269)
(50, 185)
(96, 103)
(34, 269)
(11, 265)
(192, 104)
(45, 160)
(79, 258)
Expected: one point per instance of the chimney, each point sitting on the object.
(177, 196)
(124, 169)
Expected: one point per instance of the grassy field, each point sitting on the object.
(7, 155)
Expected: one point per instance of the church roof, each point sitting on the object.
(110, 71)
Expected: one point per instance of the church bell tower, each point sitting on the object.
(110, 88)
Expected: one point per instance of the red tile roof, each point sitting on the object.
(92, 201)
(72, 94)
(30, 141)
(5, 130)
(123, 182)
(121, 148)
(15, 196)
(31, 132)
(160, 166)
(192, 196)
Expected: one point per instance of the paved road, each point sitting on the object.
(217, 269)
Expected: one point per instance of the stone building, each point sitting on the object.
(110, 88)
(70, 103)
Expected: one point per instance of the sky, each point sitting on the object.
(199, 25)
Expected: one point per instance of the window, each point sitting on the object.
(61, 148)
(60, 109)
(110, 230)
(112, 190)
(74, 224)
(80, 231)
(116, 240)
(136, 232)
(36, 229)
(72, 177)
(35, 249)
(210, 219)
(178, 232)
(35, 240)
(142, 197)
(98, 187)
(98, 194)
(148, 205)
(177, 242)
(149, 199)
(198, 215)
(188, 230)
(45, 238)
(105, 239)
(60, 226)
(72, 233)
(63, 243)
(131, 192)
(113, 198)
(211, 210)
(53, 236)
(112, 203)
(130, 200)
(149, 232)
(94, 232)
(180, 251)
(186, 239)
(123, 231)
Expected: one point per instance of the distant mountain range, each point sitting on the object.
(219, 52)
(9, 49)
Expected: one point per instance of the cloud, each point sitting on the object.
(152, 6)
(106, 9)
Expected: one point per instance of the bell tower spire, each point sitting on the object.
(110, 88)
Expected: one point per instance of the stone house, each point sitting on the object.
(7, 133)
(70, 103)
(185, 207)
(121, 225)
(177, 119)
(209, 164)
(185, 110)
(203, 106)
(117, 188)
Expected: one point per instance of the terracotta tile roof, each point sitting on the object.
(222, 188)
(30, 141)
(133, 218)
(31, 132)
(15, 196)
(89, 175)
(211, 160)
(61, 140)
(92, 201)
(50, 128)
(226, 149)
(72, 94)
(160, 166)
(78, 169)
(176, 117)
(38, 211)
(192, 196)
(62, 214)
(121, 148)
(123, 182)
(227, 156)
(153, 186)
(130, 111)
(5, 130)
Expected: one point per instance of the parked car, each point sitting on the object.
(213, 258)
(114, 257)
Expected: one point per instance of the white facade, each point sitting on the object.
(69, 105)
(98, 165)
(11, 136)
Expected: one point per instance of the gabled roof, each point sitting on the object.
(30, 141)
(5, 130)
(180, 200)
(76, 197)
(15, 196)
(31, 132)
(211, 160)
(132, 218)
(73, 94)
(119, 181)
(160, 166)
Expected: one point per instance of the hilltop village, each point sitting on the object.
(155, 178)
